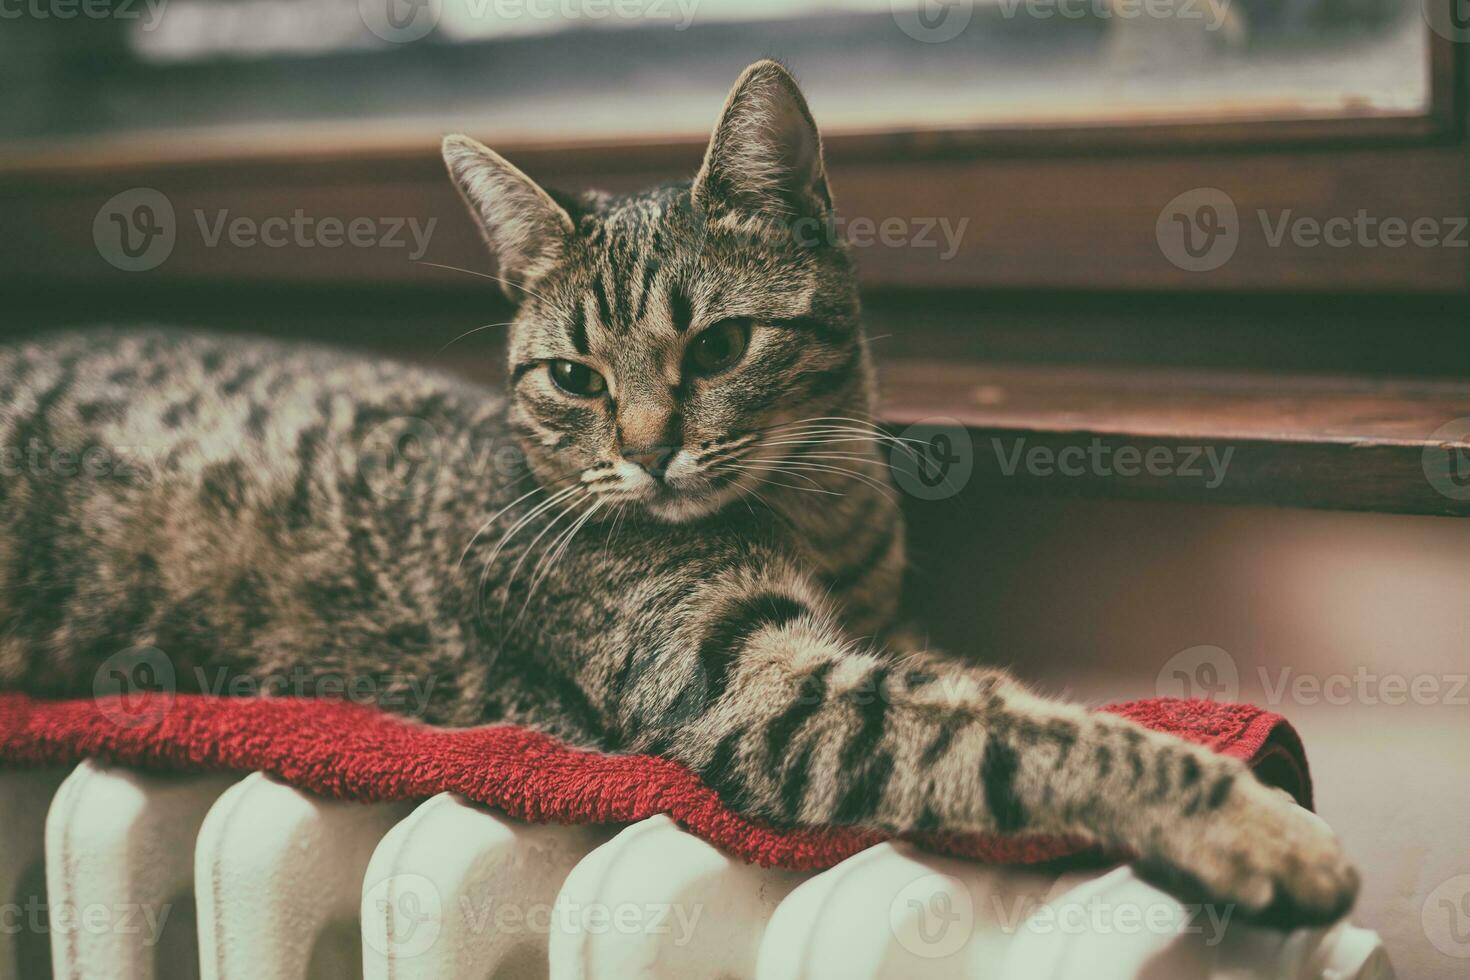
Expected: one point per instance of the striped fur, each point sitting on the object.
(512, 559)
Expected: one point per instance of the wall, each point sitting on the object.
(1327, 618)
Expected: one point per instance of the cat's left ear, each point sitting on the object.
(524, 227)
(765, 155)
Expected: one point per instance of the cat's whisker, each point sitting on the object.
(539, 488)
(614, 524)
(485, 275)
(529, 550)
(865, 423)
(483, 326)
(554, 553)
(848, 457)
(837, 439)
(752, 472)
(747, 492)
(732, 448)
(886, 493)
(493, 518)
(540, 508)
(786, 427)
(807, 462)
(851, 434)
(727, 458)
(844, 418)
(791, 466)
(849, 425)
(576, 502)
(744, 497)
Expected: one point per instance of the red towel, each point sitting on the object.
(354, 752)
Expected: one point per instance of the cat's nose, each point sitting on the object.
(654, 459)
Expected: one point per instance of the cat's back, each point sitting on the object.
(161, 387)
(107, 402)
(182, 486)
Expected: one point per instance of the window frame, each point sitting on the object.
(1039, 195)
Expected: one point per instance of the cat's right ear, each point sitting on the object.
(523, 226)
(765, 156)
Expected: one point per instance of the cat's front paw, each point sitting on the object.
(1261, 853)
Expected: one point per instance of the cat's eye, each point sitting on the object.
(719, 347)
(577, 379)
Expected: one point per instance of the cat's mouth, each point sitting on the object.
(678, 507)
(678, 499)
(684, 484)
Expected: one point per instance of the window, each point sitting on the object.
(599, 70)
(1054, 132)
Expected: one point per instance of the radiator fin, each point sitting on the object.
(287, 886)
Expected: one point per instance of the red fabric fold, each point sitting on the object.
(355, 752)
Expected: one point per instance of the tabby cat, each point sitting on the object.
(684, 543)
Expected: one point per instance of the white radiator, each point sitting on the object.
(120, 874)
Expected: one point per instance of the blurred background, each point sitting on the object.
(1228, 230)
(621, 69)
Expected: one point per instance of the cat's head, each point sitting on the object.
(670, 346)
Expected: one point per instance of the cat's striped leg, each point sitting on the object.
(758, 691)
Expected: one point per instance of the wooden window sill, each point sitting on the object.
(1241, 438)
